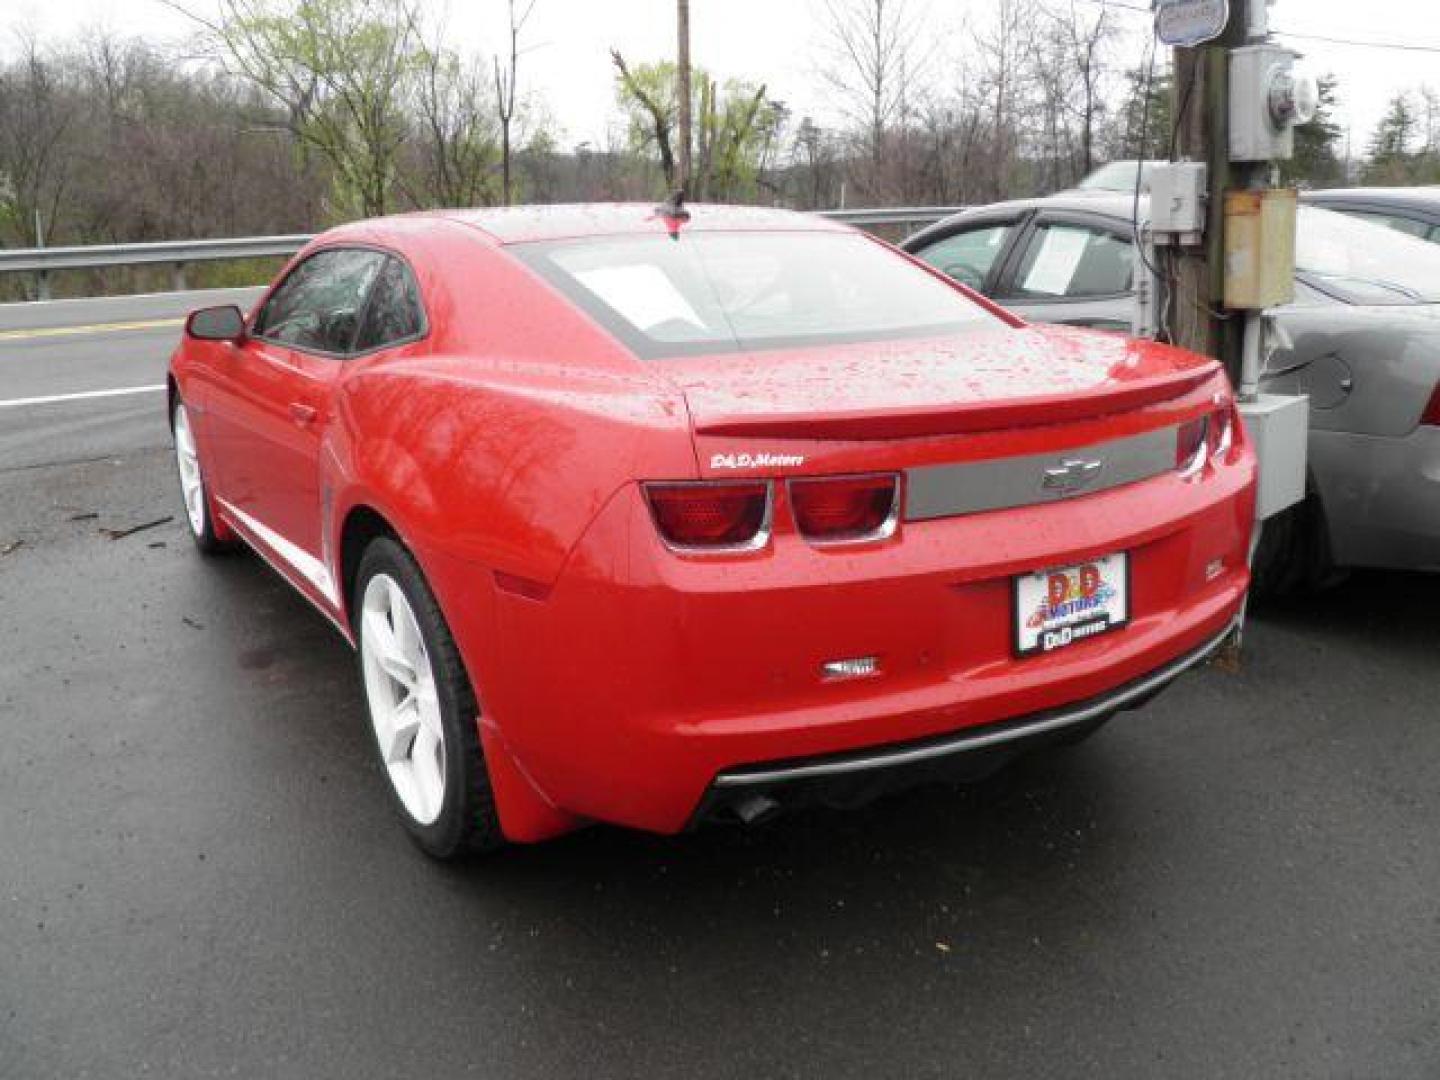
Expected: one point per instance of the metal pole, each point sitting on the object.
(682, 24)
(42, 278)
(1257, 29)
(1201, 99)
(1250, 356)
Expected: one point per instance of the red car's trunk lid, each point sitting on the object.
(901, 389)
(772, 405)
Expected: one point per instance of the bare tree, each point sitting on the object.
(339, 68)
(1002, 49)
(37, 159)
(1089, 35)
(874, 50)
(457, 137)
(654, 98)
(816, 165)
(505, 93)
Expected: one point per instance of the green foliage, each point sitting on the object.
(1148, 114)
(1317, 163)
(735, 127)
(1390, 145)
(1395, 158)
(647, 96)
(340, 69)
(394, 119)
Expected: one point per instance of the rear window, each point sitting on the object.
(724, 292)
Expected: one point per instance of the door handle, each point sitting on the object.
(303, 415)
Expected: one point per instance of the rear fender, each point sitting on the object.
(491, 482)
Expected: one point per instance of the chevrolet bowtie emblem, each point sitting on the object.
(1071, 475)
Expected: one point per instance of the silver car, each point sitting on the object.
(1413, 210)
(1365, 334)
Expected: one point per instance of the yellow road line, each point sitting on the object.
(97, 328)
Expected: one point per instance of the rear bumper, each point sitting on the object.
(643, 677)
(1381, 497)
(749, 792)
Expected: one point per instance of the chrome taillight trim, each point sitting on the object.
(1227, 435)
(1201, 455)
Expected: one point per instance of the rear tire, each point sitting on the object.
(423, 712)
(1293, 556)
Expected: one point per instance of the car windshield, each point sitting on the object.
(1365, 263)
(725, 292)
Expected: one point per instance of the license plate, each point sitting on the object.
(1056, 608)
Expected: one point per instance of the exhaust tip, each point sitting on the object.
(754, 808)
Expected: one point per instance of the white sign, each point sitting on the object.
(1191, 22)
(1054, 267)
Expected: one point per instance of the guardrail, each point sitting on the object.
(42, 262)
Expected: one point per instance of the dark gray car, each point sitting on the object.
(1364, 330)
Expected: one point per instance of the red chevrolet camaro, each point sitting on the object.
(659, 516)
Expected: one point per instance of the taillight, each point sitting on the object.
(1431, 415)
(711, 517)
(845, 509)
(1190, 445)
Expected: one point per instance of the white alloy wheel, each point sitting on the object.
(192, 484)
(404, 706)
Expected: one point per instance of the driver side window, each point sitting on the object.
(969, 256)
(318, 307)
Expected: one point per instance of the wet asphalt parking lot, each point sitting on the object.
(199, 874)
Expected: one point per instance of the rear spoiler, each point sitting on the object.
(957, 417)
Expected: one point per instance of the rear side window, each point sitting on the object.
(1072, 262)
(393, 314)
(319, 305)
(969, 256)
(724, 292)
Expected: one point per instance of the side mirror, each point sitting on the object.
(216, 324)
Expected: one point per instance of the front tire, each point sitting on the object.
(194, 491)
(423, 712)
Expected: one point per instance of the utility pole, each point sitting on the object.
(1201, 107)
(1230, 264)
(682, 90)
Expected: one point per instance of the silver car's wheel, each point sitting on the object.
(192, 484)
(404, 708)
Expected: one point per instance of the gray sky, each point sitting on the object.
(774, 41)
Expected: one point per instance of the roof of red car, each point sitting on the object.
(519, 224)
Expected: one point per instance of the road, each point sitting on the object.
(199, 874)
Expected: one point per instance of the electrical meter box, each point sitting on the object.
(1177, 202)
(1268, 97)
(1259, 248)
